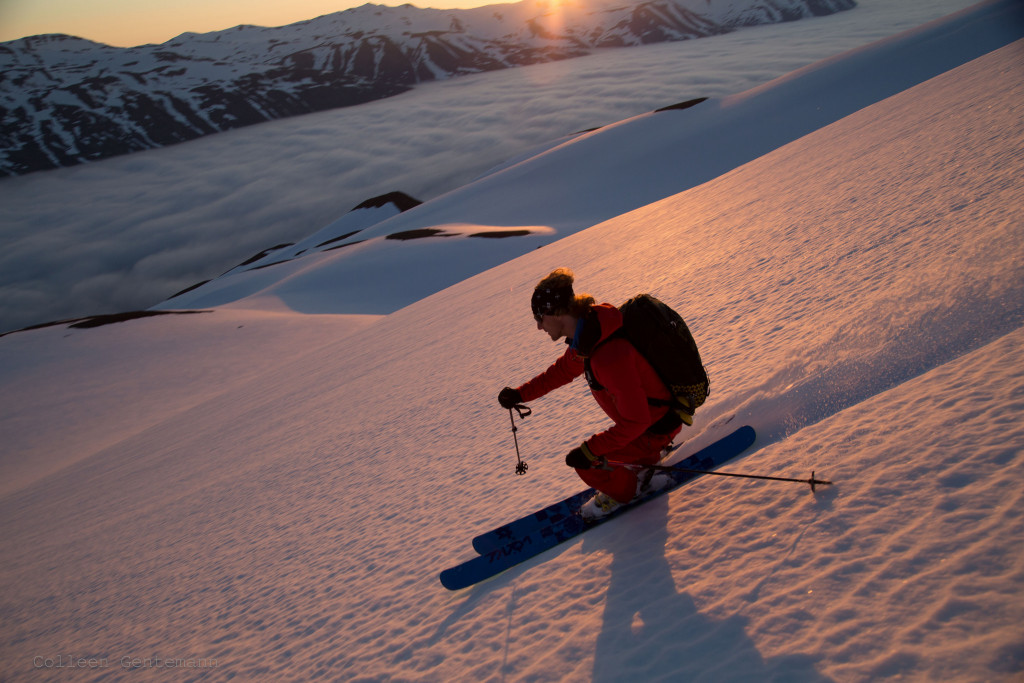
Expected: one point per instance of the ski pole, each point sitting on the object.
(524, 412)
(669, 468)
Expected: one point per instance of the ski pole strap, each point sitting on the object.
(523, 411)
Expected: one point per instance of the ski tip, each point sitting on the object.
(450, 580)
(744, 434)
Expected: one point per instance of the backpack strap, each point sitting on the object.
(667, 423)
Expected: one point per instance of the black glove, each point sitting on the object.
(582, 459)
(509, 397)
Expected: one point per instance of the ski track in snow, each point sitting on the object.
(858, 295)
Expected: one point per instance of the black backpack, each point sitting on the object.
(661, 336)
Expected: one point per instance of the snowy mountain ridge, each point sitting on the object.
(65, 100)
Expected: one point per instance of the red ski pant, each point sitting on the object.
(620, 482)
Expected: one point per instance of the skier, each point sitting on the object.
(621, 380)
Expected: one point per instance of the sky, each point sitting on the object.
(126, 23)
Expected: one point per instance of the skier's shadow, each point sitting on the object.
(650, 630)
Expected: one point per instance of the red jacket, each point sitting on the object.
(626, 381)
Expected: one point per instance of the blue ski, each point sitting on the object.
(513, 543)
(712, 456)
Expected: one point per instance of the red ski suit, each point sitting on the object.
(625, 381)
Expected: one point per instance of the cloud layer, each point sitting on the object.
(128, 232)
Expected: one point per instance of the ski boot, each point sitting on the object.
(599, 506)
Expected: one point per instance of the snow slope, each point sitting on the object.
(858, 293)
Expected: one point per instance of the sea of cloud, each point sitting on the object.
(127, 233)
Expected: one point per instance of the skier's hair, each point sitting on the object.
(579, 305)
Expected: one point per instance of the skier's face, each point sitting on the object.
(553, 325)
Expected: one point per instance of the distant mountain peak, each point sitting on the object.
(67, 100)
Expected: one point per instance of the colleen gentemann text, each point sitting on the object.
(69, 662)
